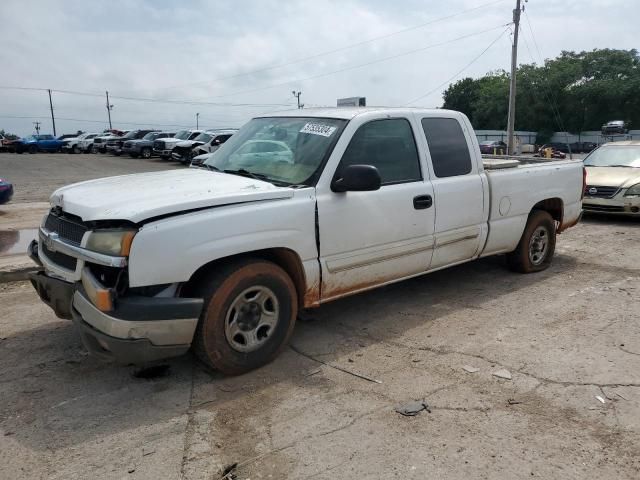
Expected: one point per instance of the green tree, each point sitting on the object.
(575, 91)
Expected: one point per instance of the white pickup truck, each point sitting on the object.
(293, 211)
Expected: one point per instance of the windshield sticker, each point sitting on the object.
(318, 129)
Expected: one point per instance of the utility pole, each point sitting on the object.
(511, 119)
(109, 108)
(297, 95)
(197, 121)
(37, 124)
(53, 119)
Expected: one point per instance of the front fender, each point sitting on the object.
(170, 250)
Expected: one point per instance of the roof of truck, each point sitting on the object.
(347, 113)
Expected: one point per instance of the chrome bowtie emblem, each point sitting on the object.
(593, 191)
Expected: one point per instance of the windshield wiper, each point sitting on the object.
(209, 167)
(625, 166)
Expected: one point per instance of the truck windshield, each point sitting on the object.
(151, 136)
(182, 135)
(203, 137)
(286, 150)
(614, 156)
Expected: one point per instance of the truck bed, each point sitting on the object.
(499, 162)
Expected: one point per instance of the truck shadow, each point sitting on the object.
(55, 396)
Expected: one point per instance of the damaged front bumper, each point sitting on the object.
(136, 329)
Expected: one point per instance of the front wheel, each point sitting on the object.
(248, 317)
(146, 152)
(537, 245)
(76, 149)
(33, 149)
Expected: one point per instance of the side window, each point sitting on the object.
(389, 146)
(448, 147)
(223, 138)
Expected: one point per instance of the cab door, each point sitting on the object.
(375, 237)
(459, 190)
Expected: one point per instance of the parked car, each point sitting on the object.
(208, 141)
(6, 191)
(613, 179)
(163, 147)
(70, 135)
(79, 144)
(615, 127)
(583, 147)
(219, 137)
(38, 143)
(493, 147)
(260, 238)
(100, 142)
(114, 145)
(143, 147)
(198, 160)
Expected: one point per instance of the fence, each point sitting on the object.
(560, 137)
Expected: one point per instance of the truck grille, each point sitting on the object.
(182, 151)
(158, 145)
(65, 261)
(600, 192)
(97, 140)
(69, 230)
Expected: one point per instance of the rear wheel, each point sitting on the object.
(537, 245)
(248, 317)
(33, 149)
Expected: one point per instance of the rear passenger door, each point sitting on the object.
(458, 191)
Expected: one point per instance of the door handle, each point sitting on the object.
(422, 202)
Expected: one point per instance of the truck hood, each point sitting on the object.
(188, 143)
(146, 195)
(612, 176)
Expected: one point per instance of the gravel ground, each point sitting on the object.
(566, 336)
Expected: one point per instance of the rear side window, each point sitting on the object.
(389, 146)
(448, 147)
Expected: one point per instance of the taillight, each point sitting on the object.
(584, 182)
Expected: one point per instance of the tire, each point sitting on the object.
(535, 250)
(266, 293)
(76, 149)
(33, 149)
(145, 152)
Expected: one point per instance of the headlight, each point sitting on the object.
(633, 191)
(111, 242)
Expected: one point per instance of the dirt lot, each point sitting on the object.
(567, 336)
(34, 177)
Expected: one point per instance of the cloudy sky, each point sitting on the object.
(233, 59)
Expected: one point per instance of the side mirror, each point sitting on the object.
(357, 178)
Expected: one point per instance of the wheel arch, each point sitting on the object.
(285, 258)
(554, 207)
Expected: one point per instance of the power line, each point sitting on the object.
(100, 121)
(149, 100)
(459, 72)
(548, 93)
(361, 65)
(336, 50)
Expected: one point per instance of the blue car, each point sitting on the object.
(39, 143)
(6, 191)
